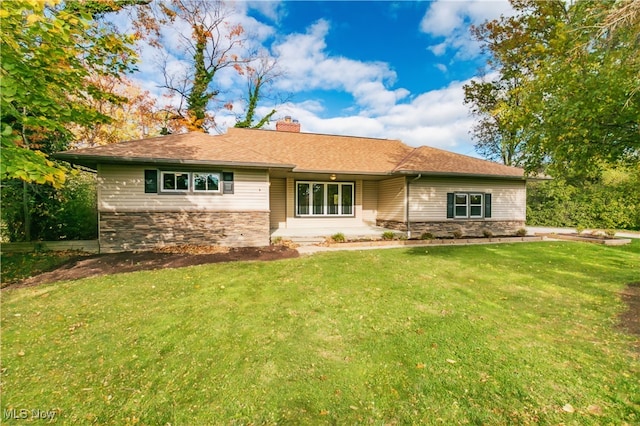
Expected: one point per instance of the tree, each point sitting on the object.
(213, 44)
(258, 77)
(575, 104)
(497, 133)
(136, 118)
(47, 53)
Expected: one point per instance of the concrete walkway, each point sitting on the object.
(532, 230)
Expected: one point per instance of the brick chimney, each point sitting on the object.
(288, 125)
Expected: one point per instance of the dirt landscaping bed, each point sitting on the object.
(630, 318)
(105, 264)
(591, 238)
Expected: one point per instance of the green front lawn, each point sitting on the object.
(496, 334)
(18, 266)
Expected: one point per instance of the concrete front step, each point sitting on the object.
(303, 241)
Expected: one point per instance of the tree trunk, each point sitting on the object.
(26, 211)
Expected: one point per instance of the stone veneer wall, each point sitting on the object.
(469, 228)
(392, 224)
(125, 231)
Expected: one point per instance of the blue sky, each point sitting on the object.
(362, 68)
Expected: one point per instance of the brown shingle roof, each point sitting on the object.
(194, 147)
(302, 152)
(430, 160)
(317, 152)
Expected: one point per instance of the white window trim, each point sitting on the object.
(206, 191)
(325, 196)
(468, 205)
(162, 188)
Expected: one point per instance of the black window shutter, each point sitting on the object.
(487, 205)
(151, 181)
(227, 182)
(450, 198)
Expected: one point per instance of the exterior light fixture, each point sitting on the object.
(333, 176)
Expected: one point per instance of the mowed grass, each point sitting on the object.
(495, 334)
(17, 266)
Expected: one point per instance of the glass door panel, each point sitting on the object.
(303, 198)
(347, 199)
(333, 200)
(318, 198)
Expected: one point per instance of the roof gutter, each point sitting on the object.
(93, 161)
(458, 174)
(343, 172)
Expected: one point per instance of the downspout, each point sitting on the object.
(407, 207)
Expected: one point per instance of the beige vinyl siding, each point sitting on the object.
(392, 199)
(121, 189)
(278, 203)
(322, 222)
(428, 197)
(369, 201)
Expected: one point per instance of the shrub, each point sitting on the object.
(457, 234)
(427, 236)
(521, 232)
(487, 233)
(276, 241)
(610, 233)
(338, 238)
(68, 213)
(579, 229)
(388, 235)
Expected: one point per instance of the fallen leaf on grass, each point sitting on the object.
(420, 365)
(568, 408)
(594, 409)
(451, 361)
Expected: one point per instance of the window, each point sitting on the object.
(475, 205)
(461, 205)
(151, 181)
(197, 182)
(227, 182)
(175, 181)
(206, 182)
(324, 199)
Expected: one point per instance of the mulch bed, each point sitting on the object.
(630, 318)
(105, 264)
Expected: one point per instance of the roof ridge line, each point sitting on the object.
(322, 134)
(406, 157)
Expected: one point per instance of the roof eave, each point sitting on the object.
(93, 161)
(459, 174)
(342, 172)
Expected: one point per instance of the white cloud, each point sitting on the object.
(441, 67)
(271, 9)
(451, 20)
(308, 67)
(437, 118)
